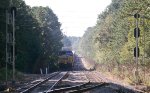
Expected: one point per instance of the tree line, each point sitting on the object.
(38, 37)
(111, 41)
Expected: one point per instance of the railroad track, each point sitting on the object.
(53, 84)
(59, 79)
(31, 87)
(78, 88)
(34, 84)
(34, 88)
(91, 84)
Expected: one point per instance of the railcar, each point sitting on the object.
(66, 59)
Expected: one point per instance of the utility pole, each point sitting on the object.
(10, 42)
(6, 42)
(10, 39)
(12, 10)
(13, 13)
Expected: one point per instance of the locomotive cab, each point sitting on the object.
(66, 59)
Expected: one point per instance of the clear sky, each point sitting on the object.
(74, 15)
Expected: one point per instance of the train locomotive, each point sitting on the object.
(66, 59)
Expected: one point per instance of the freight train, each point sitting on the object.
(66, 59)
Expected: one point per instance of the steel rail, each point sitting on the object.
(68, 88)
(36, 85)
(56, 82)
(89, 88)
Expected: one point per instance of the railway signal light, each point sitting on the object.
(138, 52)
(136, 49)
(136, 31)
(136, 15)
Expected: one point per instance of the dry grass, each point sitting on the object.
(126, 73)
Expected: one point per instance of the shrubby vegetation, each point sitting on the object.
(111, 41)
